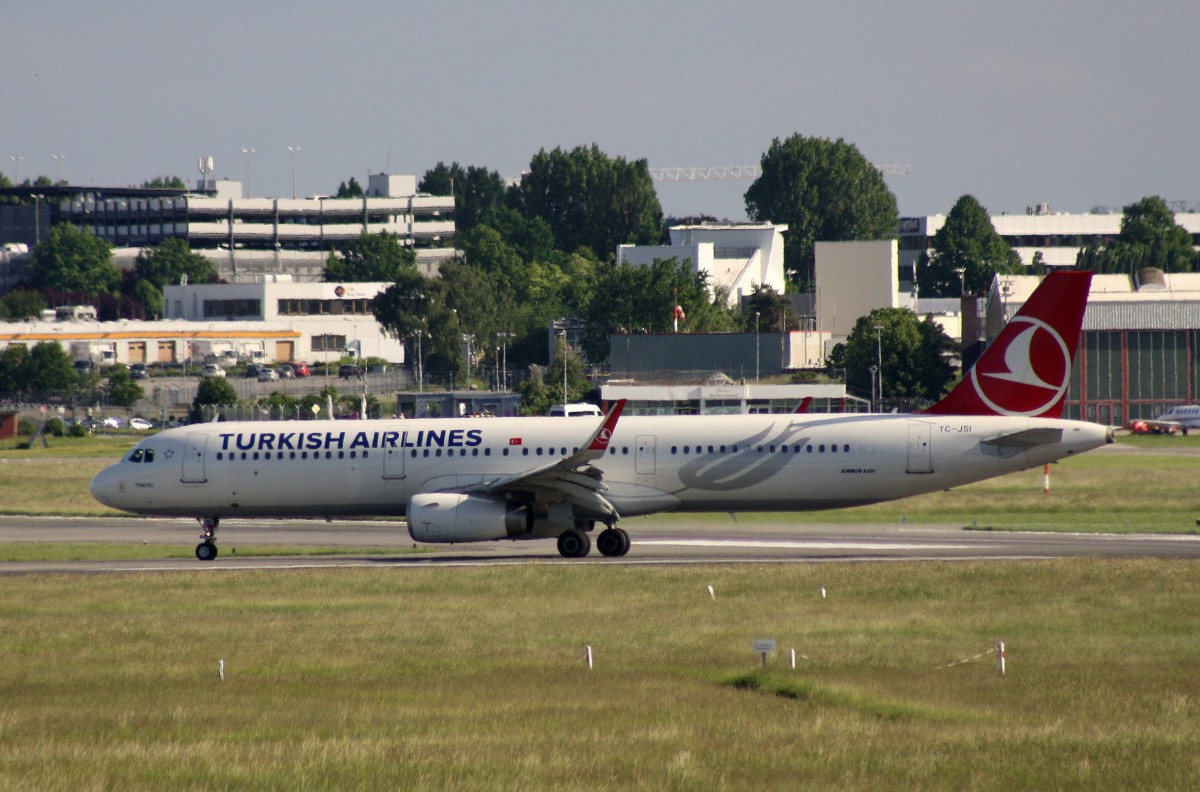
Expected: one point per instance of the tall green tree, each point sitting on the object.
(772, 311)
(75, 260)
(1149, 237)
(591, 200)
(173, 259)
(349, 190)
(478, 193)
(544, 388)
(967, 241)
(149, 298)
(825, 191)
(49, 372)
(370, 258)
(415, 306)
(913, 351)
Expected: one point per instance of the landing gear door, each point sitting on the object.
(194, 449)
(643, 462)
(920, 453)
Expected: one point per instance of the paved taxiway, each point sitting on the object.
(677, 540)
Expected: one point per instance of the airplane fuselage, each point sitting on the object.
(778, 462)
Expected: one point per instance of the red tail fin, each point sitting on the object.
(1027, 369)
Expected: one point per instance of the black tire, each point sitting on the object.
(574, 544)
(206, 551)
(609, 543)
(624, 541)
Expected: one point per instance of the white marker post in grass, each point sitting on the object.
(1000, 656)
(587, 656)
(711, 594)
(221, 669)
(1046, 479)
(792, 655)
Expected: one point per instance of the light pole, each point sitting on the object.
(879, 356)
(564, 357)
(756, 338)
(16, 158)
(37, 218)
(504, 336)
(294, 150)
(873, 370)
(249, 191)
(58, 158)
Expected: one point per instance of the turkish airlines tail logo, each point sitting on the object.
(1027, 369)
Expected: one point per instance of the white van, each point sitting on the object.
(576, 410)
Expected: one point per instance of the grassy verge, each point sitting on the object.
(474, 678)
(103, 551)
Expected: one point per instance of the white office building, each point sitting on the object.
(736, 256)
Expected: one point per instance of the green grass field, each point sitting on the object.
(473, 679)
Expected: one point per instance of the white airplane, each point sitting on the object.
(1182, 418)
(486, 479)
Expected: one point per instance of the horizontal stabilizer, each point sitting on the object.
(1026, 439)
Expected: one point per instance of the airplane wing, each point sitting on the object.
(572, 477)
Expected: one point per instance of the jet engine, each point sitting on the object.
(450, 517)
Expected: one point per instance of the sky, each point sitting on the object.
(1078, 105)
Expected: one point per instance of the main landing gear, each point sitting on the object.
(612, 542)
(207, 550)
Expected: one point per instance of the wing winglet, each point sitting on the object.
(597, 444)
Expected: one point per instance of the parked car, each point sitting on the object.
(268, 374)
(300, 368)
(213, 370)
(138, 371)
(253, 370)
(84, 366)
(141, 424)
(285, 371)
(346, 372)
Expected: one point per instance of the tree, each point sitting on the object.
(772, 310)
(371, 258)
(21, 304)
(590, 200)
(213, 391)
(1149, 237)
(149, 298)
(825, 191)
(478, 193)
(75, 260)
(173, 259)
(49, 371)
(643, 299)
(351, 190)
(544, 388)
(164, 183)
(913, 352)
(415, 306)
(122, 388)
(967, 241)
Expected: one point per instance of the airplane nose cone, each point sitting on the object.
(106, 486)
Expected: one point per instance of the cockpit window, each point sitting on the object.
(142, 455)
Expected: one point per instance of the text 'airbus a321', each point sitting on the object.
(471, 479)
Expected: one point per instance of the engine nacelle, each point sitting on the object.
(449, 517)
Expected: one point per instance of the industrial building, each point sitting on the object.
(244, 238)
(1138, 351)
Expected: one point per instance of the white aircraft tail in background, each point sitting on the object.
(487, 479)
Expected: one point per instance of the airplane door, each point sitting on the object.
(920, 454)
(643, 461)
(393, 463)
(194, 449)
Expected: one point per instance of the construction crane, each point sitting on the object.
(693, 173)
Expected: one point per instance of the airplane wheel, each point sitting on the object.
(573, 544)
(613, 542)
(624, 541)
(206, 551)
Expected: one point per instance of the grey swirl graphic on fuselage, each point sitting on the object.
(715, 471)
(721, 472)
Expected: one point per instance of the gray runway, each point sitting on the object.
(675, 540)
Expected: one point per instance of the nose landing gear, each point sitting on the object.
(207, 550)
